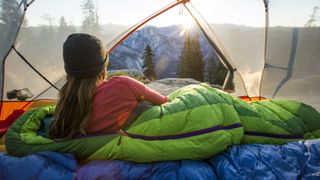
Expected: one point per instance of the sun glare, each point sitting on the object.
(187, 22)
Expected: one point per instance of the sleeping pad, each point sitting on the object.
(198, 123)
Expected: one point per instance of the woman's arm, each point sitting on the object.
(142, 92)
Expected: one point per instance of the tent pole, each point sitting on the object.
(9, 50)
(266, 5)
(145, 21)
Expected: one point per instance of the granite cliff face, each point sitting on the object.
(166, 43)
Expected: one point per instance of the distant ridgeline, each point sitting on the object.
(166, 44)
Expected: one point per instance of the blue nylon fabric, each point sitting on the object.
(43, 165)
(186, 169)
(44, 126)
(296, 160)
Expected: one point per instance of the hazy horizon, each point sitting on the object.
(128, 12)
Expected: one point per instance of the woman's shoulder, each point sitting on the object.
(116, 80)
(122, 78)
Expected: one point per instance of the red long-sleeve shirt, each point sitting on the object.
(114, 101)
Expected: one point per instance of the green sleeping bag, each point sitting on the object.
(198, 123)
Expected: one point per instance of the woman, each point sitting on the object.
(87, 102)
(198, 123)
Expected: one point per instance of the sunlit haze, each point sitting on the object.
(129, 12)
(187, 21)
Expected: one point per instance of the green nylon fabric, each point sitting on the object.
(192, 109)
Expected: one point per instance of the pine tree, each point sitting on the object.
(197, 63)
(216, 71)
(211, 68)
(65, 29)
(148, 65)
(10, 16)
(314, 18)
(217, 74)
(90, 21)
(221, 74)
(10, 13)
(191, 63)
(26, 38)
(63, 25)
(182, 67)
(50, 21)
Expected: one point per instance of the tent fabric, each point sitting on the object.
(278, 62)
(11, 106)
(14, 109)
(206, 120)
(281, 59)
(9, 28)
(292, 69)
(295, 160)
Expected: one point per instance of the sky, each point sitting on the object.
(129, 12)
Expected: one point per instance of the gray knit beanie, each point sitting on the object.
(84, 55)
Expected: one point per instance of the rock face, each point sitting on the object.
(124, 57)
(166, 44)
(166, 86)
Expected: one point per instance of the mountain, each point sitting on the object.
(166, 43)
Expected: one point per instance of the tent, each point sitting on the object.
(270, 48)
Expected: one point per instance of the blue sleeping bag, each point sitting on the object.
(295, 160)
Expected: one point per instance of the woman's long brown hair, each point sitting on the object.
(73, 110)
